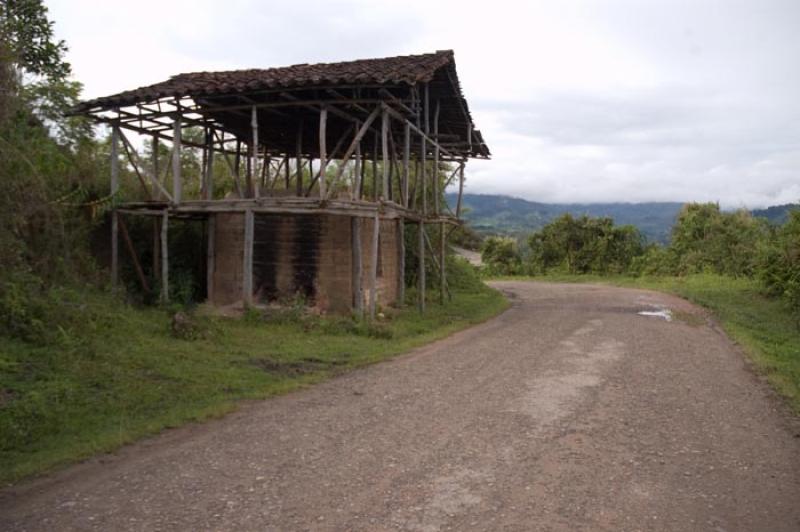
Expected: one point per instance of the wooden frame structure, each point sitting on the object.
(298, 140)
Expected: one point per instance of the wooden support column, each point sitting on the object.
(323, 156)
(287, 173)
(375, 167)
(253, 170)
(211, 257)
(435, 176)
(114, 214)
(156, 229)
(460, 188)
(442, 265)
(298, 157)
(406, 158)
(247, 277)
(209, 170)
(401, 262)
(373, 267)
(177, 184)
(358, 292)
(421, 266)
(164, 257)
(358, 170)
(385, 193)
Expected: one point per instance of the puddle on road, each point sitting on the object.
(664, 313)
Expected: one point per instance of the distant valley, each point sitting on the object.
(495, 214)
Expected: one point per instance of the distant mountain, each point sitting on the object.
(777, 214)
(491, 214)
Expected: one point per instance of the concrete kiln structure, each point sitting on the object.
(297, 142)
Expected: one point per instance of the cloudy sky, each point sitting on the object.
(579, 101)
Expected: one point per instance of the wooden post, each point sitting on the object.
(177, 184)
(210, 257)
(375, 167)
(421, 272)
(114, 214)
(287, 173)
(247, 278)
(401, 262)
(209, 185)
(253, 173)
(442, 266)
(358, 292)
(156, 229)
(385, 152)
(298, 156)
(357, 171)
(460, 188)
(435, 176)
(323, 162)
(406, 158)
(132, 253)
(164, 257)
(373, 267)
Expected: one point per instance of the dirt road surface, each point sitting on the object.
(568, 412)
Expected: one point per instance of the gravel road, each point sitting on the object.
(568, 412)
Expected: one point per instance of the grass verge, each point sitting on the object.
(64, 402)
(763, 326)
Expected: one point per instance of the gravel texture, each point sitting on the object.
(568, 412)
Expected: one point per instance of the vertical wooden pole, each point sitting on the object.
(254, 173)
(385, 152)
(209, 188)
(373, 267)
(287, 173)
(177, 183)
(298, 157)
(435, 176)
(114, 214)
(421, 266)
(164, 257)
(460, 188)
(442, 258)
(211, 257)
(375, 167)
(358, 292)
(247, 277)
(406, 158)
(156, 229)
(156, 170)
(358, 170)
(323, 155)
(401, 262)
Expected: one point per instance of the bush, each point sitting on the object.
(500, 256)
(779, 263)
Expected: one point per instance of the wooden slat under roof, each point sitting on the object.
(288, 100)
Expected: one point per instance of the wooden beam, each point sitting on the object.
(114, 214)
(442, 260)
(211, 257)
(435, 176)
(253, 173)
(385, 154)
(401, 263)
(460, 189)
(209, 189)
(373, 270)
(247, 278)
(355, 185)
(177, 184)
(323, 162)
(406, 159)
(164, 257)
(355, 242)
(298, 188)
(421, 268)
(356, 142)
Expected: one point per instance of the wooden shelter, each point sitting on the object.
(297, 142)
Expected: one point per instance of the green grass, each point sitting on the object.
(130, 378)
(763, 326)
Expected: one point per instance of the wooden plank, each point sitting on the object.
(355, 242)
(460, 189)
(177, 184)
(421, 266)
(253, 173)
(385, 153)
(114, 214)
(373, 267)
(401, 263)
(247, 278)
(323, 162)
(164, 257)
(406, 159)
(355, 185)
(211, 258)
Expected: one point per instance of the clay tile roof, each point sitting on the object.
(409, 69)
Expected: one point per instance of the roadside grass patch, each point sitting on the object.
(134, 375)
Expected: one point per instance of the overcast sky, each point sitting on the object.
(579, 101)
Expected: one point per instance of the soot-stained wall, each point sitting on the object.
(309, 255)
